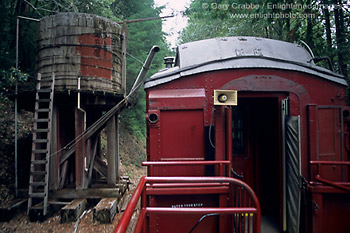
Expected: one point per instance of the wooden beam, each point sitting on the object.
(111, 151)
(117, 160)
(72, 211)
(105, 210)
(79, 150)
(12, 209)
(94, 128)
(100, 167)
(92, 161)
(124, 202)
(86, 193)
(63, 174)
(67, 154)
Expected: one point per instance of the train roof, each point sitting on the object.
(240, 53)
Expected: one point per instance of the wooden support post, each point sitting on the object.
(117, 160)
(112, 151)
(71, 212)
(105, 210)
(54, 162)
(79, 150)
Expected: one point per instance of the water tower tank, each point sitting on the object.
(77, 45)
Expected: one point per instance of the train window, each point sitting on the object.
(237, 130)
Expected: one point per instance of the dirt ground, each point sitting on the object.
(22, 224)
(52, 225)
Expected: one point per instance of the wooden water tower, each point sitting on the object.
(82, 53)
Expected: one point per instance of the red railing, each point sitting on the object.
(220, 163)
(345, 186)
(245, 212)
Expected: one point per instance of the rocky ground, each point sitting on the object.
(132, 153)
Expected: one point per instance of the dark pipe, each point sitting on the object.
(318, 59)
(143, 72)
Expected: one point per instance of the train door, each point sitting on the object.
(257, 153)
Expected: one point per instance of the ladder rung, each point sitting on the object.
(43, 100)
(38, 173)
(37, 183)
(42, 151)
(42, 120)
(45, 90)
(42, 130)
(40, 141)
(35, 162)
(37, 195)
(43, 110)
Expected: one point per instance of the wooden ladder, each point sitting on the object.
(40, 159)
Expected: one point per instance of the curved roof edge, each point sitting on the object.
(240, 53)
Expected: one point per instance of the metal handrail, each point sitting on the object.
(330, 162)
(140, 189)
(338, 185)
(219, 163)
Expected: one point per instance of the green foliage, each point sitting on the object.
(134, 117)
(141, 36)
(7, 86)
(7, 33)
(293, 21)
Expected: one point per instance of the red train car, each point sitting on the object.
(257, 110)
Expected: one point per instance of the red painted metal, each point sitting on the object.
(252, 207)
(345, 186)
(220, 132)
(229, 140)
(163, 210)
(95, 61)
(178, 99)
(188, 190)
(324, 137)
(327, 141)
(152, 164)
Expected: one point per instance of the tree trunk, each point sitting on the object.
(308, 38)
(340, 36)
(328, 25)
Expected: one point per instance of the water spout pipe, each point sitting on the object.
(142, 74)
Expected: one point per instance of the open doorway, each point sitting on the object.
(256, 153)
